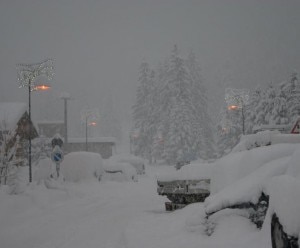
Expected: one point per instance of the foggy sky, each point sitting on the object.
(97, 46)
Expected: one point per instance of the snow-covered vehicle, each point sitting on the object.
(119, 171)
(188, 185)
(254, 183)
(136, 162)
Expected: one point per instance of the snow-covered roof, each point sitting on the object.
(93, 140)
(45, 122)
(10, 114)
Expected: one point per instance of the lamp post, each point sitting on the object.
(237, 99)
(66, 97)
(89, 116)
(30, 76)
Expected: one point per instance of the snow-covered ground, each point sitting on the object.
(113, 215)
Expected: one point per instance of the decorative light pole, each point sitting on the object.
(31, 76)
(89, 117)
(237, 99)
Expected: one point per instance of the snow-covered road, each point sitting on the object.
(110, 215)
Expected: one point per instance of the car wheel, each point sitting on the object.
(279, 238)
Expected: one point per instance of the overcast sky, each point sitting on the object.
(97, 46)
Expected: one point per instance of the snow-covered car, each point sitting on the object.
(284, 206)
(76, 166)
(260, 184)
(119, 171)
(136, 162)
(188, 185)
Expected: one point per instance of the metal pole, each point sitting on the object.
(86, 139)
(243, 119)
(29, 137)
(66, 121)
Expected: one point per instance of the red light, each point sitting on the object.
(93, 123)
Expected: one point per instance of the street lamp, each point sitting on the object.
(89, 116)
(237, 99)
(31, 75)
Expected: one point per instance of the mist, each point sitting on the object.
(97, 47)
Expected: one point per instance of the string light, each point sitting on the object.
(29, 73)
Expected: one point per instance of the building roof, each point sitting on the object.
(93, 140)
(10, 114)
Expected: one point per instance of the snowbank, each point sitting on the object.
(264, 138)
(194, 171)
(82, 166)
(237, 165)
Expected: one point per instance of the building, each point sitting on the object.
(15, 130)
(105, 146)
(50, 128)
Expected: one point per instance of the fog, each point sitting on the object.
(97, 47)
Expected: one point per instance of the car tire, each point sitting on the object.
(279, 238)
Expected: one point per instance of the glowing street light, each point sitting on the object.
(35, 77)
(89, 117)
(237, 99)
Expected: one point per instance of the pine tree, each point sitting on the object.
(201, 122)
(180, 141)
(142, 111)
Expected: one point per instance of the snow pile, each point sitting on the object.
(264, 138)
(235, 166)
(250, 141)
(43, 170)
(194, 171)
(247, 189)
(82, 166)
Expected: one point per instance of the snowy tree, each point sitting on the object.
(109, 123)
(201, 122)
(180, 139)
(228, 131)
(142, 112)
(290, 90)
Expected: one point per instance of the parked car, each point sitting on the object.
(119, 171)
(136, 162)
(259, 179)
(188, 185)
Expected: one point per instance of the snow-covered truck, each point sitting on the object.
(188, 185)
